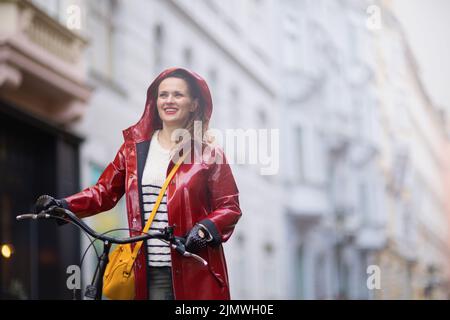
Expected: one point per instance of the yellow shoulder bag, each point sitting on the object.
(118, 280)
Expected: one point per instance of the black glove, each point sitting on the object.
(44, 202)
(197, 238)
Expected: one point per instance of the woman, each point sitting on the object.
(201, 201)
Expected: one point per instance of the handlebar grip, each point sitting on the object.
(32, 216)
(25, 216)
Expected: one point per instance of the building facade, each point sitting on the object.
(330, 179)
(413, 141)
(131, 42)
(364, 153)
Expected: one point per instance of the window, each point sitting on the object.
(58, 10)
(258, 28)
(262, 118)
(51, 7)
(269, 272)
(158, 45)
(319, 278)
(299, 153)
(187, 57)
(352, 40)
(317, 157)
(407, 222)
(101, 27)
(212, 80)
(299, 274)
(364, 203)
(241, 266)
(344, 282)
(235, 106)
(292, 44)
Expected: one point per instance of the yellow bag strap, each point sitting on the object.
(138, 245)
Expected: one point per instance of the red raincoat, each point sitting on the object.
(203, 192)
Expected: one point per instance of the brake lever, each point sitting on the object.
(196, 257)
(179, 245)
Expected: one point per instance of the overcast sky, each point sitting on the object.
(427, 27)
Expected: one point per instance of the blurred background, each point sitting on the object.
(358, 207)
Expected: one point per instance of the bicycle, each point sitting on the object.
(94, 290)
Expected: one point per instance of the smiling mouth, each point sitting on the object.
(170, 110)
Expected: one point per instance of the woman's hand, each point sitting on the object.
(44, 202)
(197, 238)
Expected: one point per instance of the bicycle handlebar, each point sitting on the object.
(176, 243)
(72, 217)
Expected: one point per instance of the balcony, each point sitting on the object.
(307, 203)
(41, 63)
(371, 237)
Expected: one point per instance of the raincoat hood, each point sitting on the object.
(144, 128)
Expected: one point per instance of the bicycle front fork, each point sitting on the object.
(94, 290)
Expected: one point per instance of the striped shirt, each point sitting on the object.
(153, 178)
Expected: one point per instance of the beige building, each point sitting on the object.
(413, 140)
(42, 64)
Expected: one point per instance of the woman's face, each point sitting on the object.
(174, 102)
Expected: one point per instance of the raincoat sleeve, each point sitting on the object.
(224, 199)
(105, 194)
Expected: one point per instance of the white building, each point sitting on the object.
(231, 44)
(331, 181)
(363, 160)
(414, 163)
